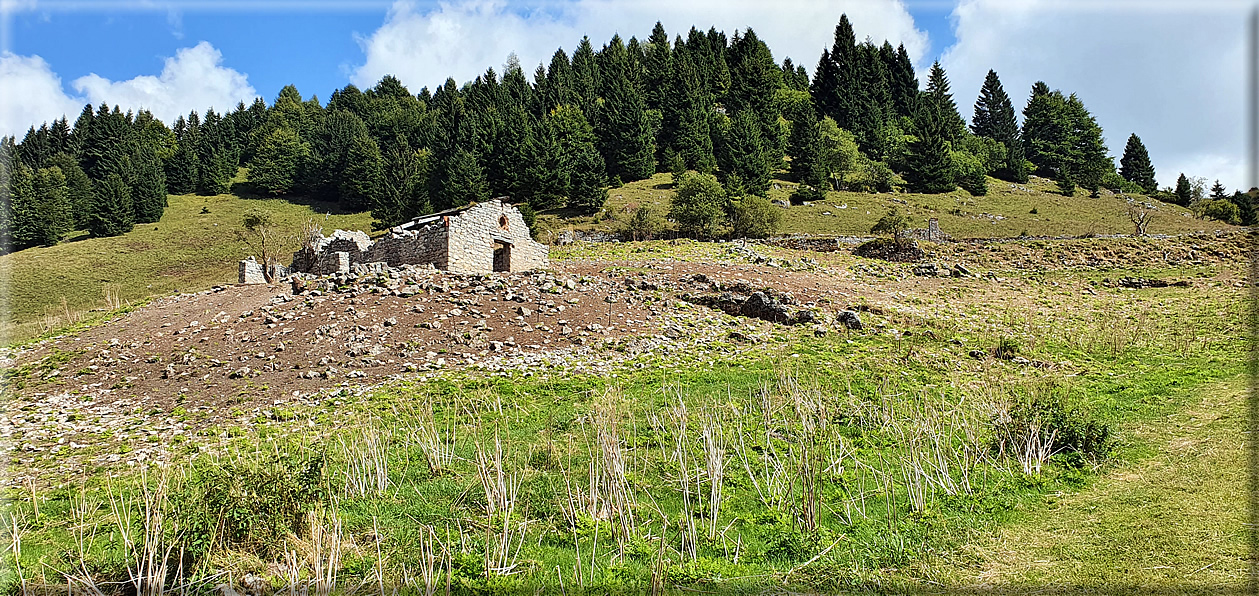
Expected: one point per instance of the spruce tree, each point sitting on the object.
(546, 180)
(1135, 165)
(953, 127)
(1218, 191)
(625, 137)
(805, 143)
(24, 206)
(79, 188)
(53, 217)
(657, 68)
(460, 181)
(585, 77)
(1087, 151)
(583, 167)
(111, 210)
(360, 180)
(743, 153)
(687, 115)
(1046, 130)
(929, 167)
(148, 185)
(8, 161)
(902, 81)
(1184, 191)
(278, 161)
(994, 119)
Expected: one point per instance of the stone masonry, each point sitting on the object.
(481, 238)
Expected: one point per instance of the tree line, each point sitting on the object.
(561, 138)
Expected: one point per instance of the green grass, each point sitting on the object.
(187, 251)
(857, 410)
(1004, 212)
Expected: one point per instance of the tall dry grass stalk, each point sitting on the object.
(437, 443)
(714, 440)
(147, 536)
(366, 462)
(503, 532)
(326, 545)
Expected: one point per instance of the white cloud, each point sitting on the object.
(422, 46)
(1174, 76)
(194, 79)
(31, 94)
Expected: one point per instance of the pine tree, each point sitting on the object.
(79, 188)
(1184, 191)
(460, 181)
(278, 161)
(361, 179)
(546, 179)
(805, 143)
(994, 119)
(953, 127)
(404, 184)
(929, 167)
(111, 210)
(1218, 191)
(754, 81)
(1135, 165)
(743, 153)
(148, 185)
(585, 81)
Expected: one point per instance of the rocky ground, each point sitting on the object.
(128, 390)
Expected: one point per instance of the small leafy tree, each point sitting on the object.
(698, 205)
(892, 223)
(1218, 209)
(754, 217)
(260, 232)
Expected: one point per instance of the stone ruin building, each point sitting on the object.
(480, 238)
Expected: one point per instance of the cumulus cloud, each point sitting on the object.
(193, 79)
(422, 45)
(1174, 76)
(32, 94)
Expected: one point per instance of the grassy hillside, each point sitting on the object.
(1006, 211)
(193, 247)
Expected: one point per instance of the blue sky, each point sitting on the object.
(315, 50)
(1168, 71)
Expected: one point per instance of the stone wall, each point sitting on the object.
(462, 242)
(473, 233)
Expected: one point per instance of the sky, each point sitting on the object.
(1170, 72)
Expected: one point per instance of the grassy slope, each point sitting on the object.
(186, 251)
(1132, 364)
(961, 215)
(1175, 520)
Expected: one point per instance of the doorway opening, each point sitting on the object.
(502, 256)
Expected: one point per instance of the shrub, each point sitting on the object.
(881, 177)
(1218, 209)
(246, 504)
(643, 224)
(892, 223)
(754, 217)
(698, 205)
(1077, 432)
(970, 173)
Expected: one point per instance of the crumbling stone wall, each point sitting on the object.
(460, 242)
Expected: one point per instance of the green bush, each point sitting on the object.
(970, 173)
(1219, 209)
(246, 504)
(698, 205)
(644, 224)
(754, 217)
(1078, 434)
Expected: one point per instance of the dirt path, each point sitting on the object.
(1174, 523)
